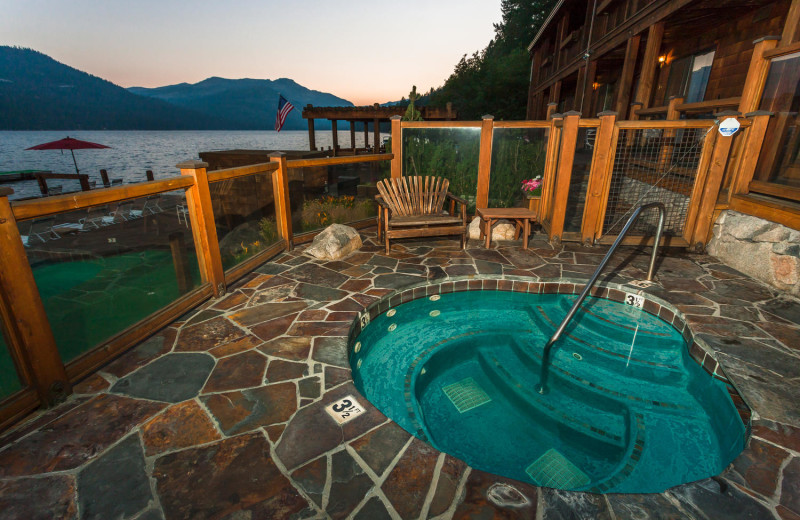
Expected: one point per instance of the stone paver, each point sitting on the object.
(221, 414)
(171, 378)
(116, 484)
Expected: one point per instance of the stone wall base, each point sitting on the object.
(759, 248)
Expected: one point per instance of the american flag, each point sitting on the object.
(284, 107)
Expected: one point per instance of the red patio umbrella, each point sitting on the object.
(68, 143)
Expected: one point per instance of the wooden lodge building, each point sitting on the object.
(651, 61)
(635, 56)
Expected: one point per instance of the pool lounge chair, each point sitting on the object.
(42, 228)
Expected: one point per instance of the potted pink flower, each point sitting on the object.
(532, 188)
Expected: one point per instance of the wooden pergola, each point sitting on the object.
(374, 114)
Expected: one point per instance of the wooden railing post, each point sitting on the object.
(204, 230)
(397, 147)
(83, 179)
(31, 340)
(551, 109)
(599, 178)
(376, 135)
(569, 138)
(672, 108)
(756, 74)
(752, 150)
(668, 136)
(710, 192)
(485, 162)
(312, 136)
(280, 192)
(553, 135)
(335, 136)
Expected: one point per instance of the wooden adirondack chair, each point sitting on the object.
(414, 207)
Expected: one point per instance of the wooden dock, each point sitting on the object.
(21, 175)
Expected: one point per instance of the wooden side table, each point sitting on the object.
(521, 216)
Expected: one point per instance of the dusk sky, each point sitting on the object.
(364, 51)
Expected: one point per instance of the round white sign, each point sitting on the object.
(729, 126)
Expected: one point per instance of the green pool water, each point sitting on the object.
(91, 300)
(9, 380)
(628, 410)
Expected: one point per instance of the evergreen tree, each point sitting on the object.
(495, 80)
(412, 114)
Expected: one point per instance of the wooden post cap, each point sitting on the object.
(766, 38)
(488, 116)
(277, 154)
(396, 118)
(572, 113)
(191, 165)
(607, 113)
(728, 113)
(5, 192)
(759, 113)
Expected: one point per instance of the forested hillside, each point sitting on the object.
(495, 79)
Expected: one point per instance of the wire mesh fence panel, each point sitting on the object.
(653, 165)
(579, 179)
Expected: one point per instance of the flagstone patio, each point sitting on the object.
(220, 415)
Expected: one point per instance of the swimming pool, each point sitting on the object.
(628, 409)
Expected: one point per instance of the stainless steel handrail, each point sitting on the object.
(542, 386)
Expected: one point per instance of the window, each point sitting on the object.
(779, 162)
(688, 77)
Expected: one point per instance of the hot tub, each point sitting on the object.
(629, 410)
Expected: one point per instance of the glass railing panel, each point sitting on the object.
(518, 154)
(333, 194)
(244, 213)
(10, 381)
(447, 152)
(101, 270)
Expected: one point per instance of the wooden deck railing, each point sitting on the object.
(45, 377)
(27, 329)
(701, 183)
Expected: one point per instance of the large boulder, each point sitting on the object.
(334, 243)
(501, 230)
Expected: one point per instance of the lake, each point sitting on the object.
(133, 152)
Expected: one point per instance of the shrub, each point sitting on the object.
(329, 210)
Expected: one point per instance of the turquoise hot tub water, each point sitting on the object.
(628, 410)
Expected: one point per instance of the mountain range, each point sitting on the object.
(39, 93)
(250, 104)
